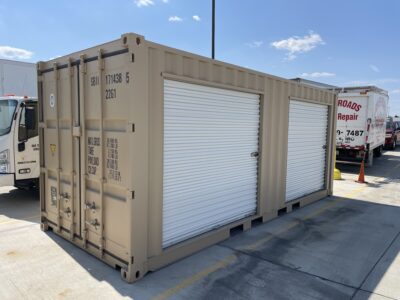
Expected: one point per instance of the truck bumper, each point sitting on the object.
(7, 180)
(351, 155)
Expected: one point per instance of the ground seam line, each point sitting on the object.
(374, 266)
(373, 293)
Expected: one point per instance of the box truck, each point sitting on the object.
(361, 123)
(19, 142)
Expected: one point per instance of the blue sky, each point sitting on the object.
(338, 42)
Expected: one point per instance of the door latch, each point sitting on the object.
(254, 154)
(95, 223)
(68, 211)
(91, 205)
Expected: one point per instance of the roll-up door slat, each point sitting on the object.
(308, 124)
(210, 175)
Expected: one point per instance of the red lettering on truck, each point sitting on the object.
(349, 104)
(343, 117)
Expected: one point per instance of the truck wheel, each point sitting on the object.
(378, 151)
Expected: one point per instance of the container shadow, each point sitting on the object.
(20, 204)
(336, 247)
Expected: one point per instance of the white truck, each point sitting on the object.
(19, 141)
(361, 123)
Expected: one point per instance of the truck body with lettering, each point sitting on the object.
(361, 123)
(19, 142)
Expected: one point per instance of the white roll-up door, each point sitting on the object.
(210, 158)
(308, 124)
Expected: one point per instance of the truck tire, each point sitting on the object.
(394, 144)
(378, 151)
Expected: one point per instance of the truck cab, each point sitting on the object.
(19, 142)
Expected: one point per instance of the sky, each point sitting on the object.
(344, 43)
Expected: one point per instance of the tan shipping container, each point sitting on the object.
(149, 154)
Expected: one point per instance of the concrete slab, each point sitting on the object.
(385, 278)
(40, 268)
(362, 295)
(383, 180)
(19, 204)
(49, 267)
(251, 278)
(340, 242)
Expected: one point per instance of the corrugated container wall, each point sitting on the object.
(149, 154)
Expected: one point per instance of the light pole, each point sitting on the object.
(213, 31)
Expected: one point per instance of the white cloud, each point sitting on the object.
(295, 45)
(175, 19)
(395, 91)
(196, 18)
(165, 1)
(255, 44)
(14, 53)
(140, 3)
(374, 68)
(318, 74)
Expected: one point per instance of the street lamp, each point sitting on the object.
(213, 31)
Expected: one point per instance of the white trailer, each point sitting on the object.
(18, 78)
(361, 123)
(19, 142)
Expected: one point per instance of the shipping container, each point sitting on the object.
(150, 154)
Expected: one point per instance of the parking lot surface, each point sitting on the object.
(343, 247)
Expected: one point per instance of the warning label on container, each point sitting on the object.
(113, 171)
(93, 161)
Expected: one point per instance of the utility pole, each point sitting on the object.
(213, 31)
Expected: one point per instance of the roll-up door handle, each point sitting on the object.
(254, 154)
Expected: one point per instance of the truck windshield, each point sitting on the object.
(7, 109)
(389, 125)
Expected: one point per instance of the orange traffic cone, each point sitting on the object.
(361, 176)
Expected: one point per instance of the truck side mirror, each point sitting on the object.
(30, 118)
(21, 147)
(22, 133)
